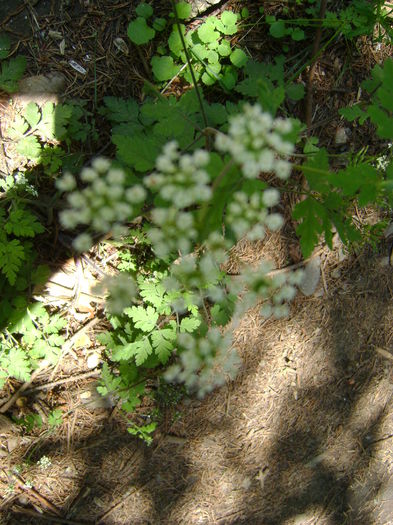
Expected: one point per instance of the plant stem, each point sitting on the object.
(194, 81)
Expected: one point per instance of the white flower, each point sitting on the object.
(136, 194)
(101, 165)
(83, 242)
(66, 183)
(270, 197)
(88, 175)
(282, 169)
(76, 199)
(274, 221)
(201, 158)
(115, 176)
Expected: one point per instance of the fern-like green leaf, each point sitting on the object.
(145, 319)
(17, 364)
(22, 223)
(11, 256)
(189, 324)
(163, 343)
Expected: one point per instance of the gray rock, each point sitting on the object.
(200, 6)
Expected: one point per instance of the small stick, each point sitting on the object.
(69, 379)
(30, 490)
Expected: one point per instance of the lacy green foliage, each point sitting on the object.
(212, 56)
(30, 337)
(266, 83)
(37, 132)
(331, 199)
(15, 225)
(380, 89)
(140, 131)
(359, 18)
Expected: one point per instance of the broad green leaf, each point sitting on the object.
(207, 33)
(229, 18)
(139, 32)
(224, 49)
(32, 114)
(120, 110)
(164, 68)
(211, 74)
(382, 120)
(316, 171)
(238, 58)
(139, 152)
(29, 147)
(144, 10)
(183, 10)
(159, 24)
(55, 418)
(174, 41)
(298, 34)
(145, 319)
(278, 29)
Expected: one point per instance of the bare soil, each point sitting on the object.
(305, 433)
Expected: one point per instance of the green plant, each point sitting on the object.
(210, 52)
(37, 132)
(30, 337)
(11, 70)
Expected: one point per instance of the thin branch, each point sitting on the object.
(194, 81)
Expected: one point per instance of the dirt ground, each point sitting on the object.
(303, 436)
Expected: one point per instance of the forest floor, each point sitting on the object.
(303, 436)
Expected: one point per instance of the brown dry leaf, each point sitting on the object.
(83, 341)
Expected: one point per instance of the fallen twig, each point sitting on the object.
(70, 379)
(52, 519)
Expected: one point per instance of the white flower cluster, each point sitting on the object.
(257, 142)
(204, 363)
(104, 204)
(120, 290)
(44, 462)
(247, 215)
(181, 179)
(174, 232)
(278, 290)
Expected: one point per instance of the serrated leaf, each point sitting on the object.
(139, 152)
(164, 68)
(139, 32)
(55, 418)
(22, 223)
(189, 324)
(298, 34)
(163, 343)
(11, 72)
(11, 256)
(120, 110)
(29, 147)
(351, 113)
(153, 293)
(312, 214)
(32, 114)
(145, 319)
(18, 364)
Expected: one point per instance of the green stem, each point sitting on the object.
(194, 81)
